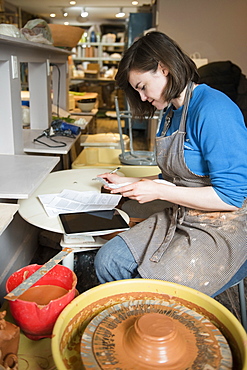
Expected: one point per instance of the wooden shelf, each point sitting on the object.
(79, 56)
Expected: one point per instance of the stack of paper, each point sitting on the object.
(69, 201)
(85, 242)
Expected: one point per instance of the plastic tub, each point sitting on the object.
(97, 156)
(111, 140)
(131, 171)
(72, 321)
(108, 157)
(35, 320)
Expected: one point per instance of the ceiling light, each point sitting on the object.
(121, 14)
(72, 2)
(134, 3)
(66, 23)
(52, 15)
(65, 14)
(84, 14)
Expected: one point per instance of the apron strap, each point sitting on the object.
(168, 119)
(177, 216)
(178, 212)
(186, 106)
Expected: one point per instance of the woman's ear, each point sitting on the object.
(164, 70)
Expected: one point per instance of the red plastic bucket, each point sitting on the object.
(37, 320)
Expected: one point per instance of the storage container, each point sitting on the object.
(110, 139)
(37, 320)
(65, 36)
(97, 157)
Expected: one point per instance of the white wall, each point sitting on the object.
(217, 29)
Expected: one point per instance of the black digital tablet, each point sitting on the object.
(93, 223)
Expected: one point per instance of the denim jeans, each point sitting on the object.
(114, 261)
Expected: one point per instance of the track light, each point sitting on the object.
(84, 13)
(121, 14)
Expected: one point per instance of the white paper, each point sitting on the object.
(160, 181)
(78, 239)
(110, 184)
(69, 201)
(84, 244)
(116, 186)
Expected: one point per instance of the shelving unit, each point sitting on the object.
(23, 173)
(13, 52)
(94, 52)
(9, 13)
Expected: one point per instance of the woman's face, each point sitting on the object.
(150, 85)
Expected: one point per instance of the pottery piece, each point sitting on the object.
(153, 334)
(9, 343)
(37, 310)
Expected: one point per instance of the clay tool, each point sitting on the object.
(116, 169)
(32, 279)
(103, 181)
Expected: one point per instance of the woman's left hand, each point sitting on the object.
(143, 191)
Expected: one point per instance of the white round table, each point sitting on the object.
(33, 211)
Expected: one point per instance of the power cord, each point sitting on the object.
(48, 134)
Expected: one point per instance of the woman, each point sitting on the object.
(201, 147)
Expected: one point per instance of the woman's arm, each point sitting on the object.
(217, 139)
(201, 198)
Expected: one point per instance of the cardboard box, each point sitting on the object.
(91, 73)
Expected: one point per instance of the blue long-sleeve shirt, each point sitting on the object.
(216, 142)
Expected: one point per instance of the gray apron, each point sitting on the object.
(199, 249)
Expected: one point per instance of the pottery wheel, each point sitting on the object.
(153, 334)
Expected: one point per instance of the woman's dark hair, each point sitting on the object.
(144, 55)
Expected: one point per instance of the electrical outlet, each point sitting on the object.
(14, 66)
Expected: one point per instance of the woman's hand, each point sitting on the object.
(143, 190)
